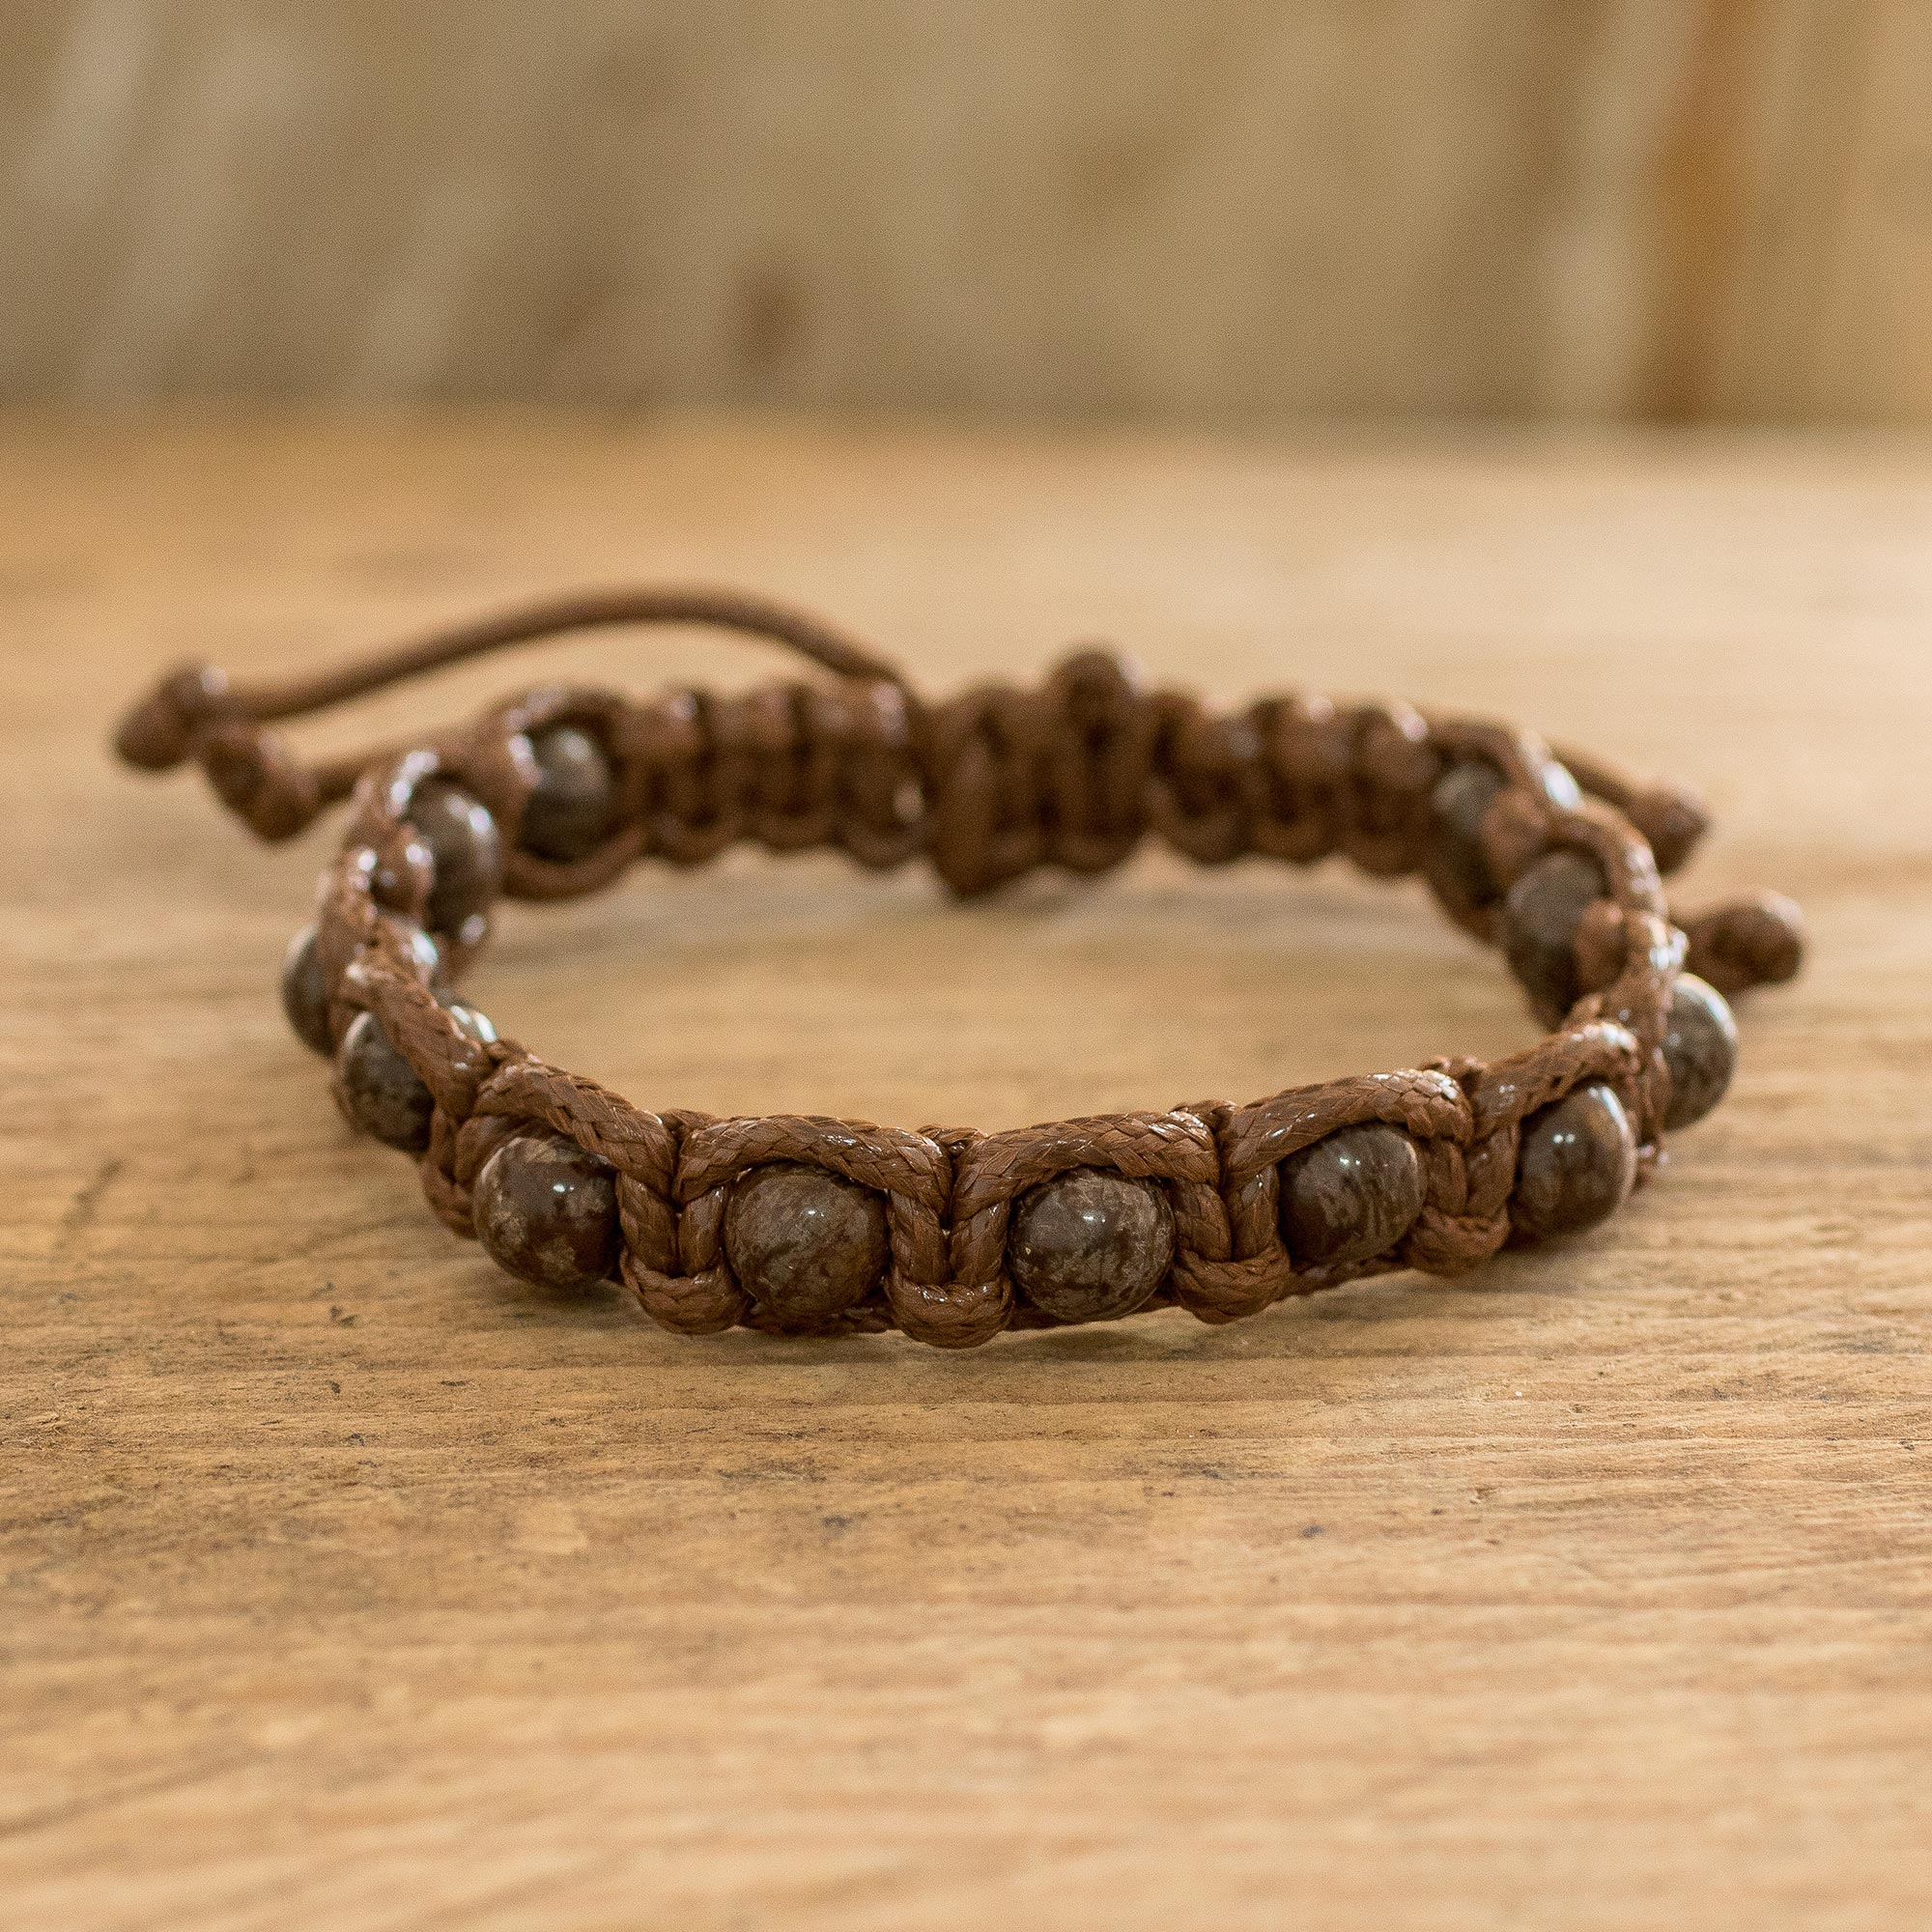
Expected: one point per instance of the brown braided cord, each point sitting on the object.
(988, 785)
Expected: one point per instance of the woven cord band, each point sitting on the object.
(986, 786)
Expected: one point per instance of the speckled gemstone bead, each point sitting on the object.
(305, 994)
(1352, 1195)
(378, 1090)
(466, 853)
(1091, 1244)
(571, 811)
(1577, 1165)
(1700, 1050)
(805, 1244)
(545, 1212)
(1456, 809)
(1541, 916)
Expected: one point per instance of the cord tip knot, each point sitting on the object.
(166, 726)
(257, 779)
(1673, 819)
(1753, 942)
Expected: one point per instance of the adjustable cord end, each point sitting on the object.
(1673, 819)
(166, 727)
(1753, 942)
(260, 781)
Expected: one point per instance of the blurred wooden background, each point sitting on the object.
(1222, 211)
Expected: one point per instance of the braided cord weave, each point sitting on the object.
(986, 786)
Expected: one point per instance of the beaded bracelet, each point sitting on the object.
(803, 1225)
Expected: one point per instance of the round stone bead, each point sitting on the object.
(1350, 1196)
(465, 851)
(305, 992)
(803, 1243)
(1091, 1244)
(547, 1211)
(1700, 1048)
(1577, 1165)
(570, 811)
(378, 1092)
(1541, 916)
(1456, 811)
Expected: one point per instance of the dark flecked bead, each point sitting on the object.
(378, 1090)
(804, 1243)
(1352, 1195)
(1456, 809)
(1541, 916)
(465, 852)
(305, 994)
(1091, 1244)
(547, 1211)
(1578, 1162)
(1700, 1050)
(570, 811)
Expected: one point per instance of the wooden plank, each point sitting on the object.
(344, 1584)
(1223, 212)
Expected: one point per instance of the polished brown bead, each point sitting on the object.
(1350, 1195)
(1091, 1244)
(1541, 916)
(803, 1243)
(571, 811)
(378, 1092)
(305, 992)
(1456, 808)
(547, 1211)
(1700, 1048)
(465, 855)
(1577, 1164)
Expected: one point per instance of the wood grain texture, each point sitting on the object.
(345, 1583)
(1683, 208)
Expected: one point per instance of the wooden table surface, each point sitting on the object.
(344, 1584)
